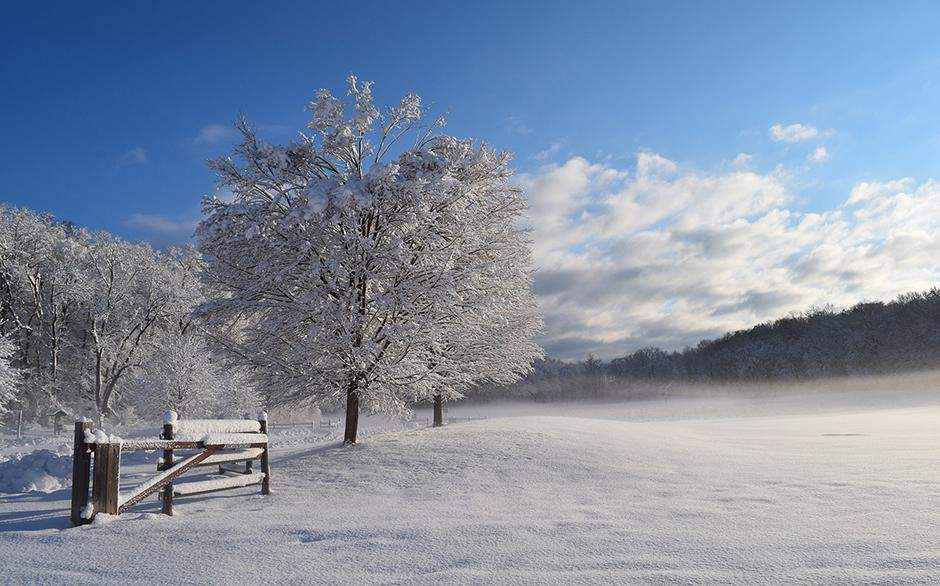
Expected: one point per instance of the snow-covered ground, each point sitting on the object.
(674, 493)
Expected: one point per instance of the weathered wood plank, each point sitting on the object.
(81, 473)
(107, 478)
(156, 444)
(166, 498)
(164, 479)
(249, 463)
(217, 484)
(227, 470)
(160, 444)
(232, 439)
(246, 455)
(265, 458)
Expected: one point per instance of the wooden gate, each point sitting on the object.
(215, 442)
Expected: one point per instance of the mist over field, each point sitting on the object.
(711, 401)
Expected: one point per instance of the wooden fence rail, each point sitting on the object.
(218, 442)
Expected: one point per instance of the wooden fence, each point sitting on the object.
(314, 425)
(217, 442)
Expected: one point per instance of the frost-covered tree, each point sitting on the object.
(349, 266)
(477, 335)
(236, 396)
(9, 377)
(185, 375)
(135, 297)
(180, 377)
(39, 276)
(85, 310)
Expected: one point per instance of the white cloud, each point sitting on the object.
(820, 155)
(215, 134)
(557, 192)
(742, 160)
(161, 230)
(550, 152)
(866, 191)
(652, 166)
(668, 255)
(135, 156)
(793, 132)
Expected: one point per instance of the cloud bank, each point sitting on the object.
(659, 254)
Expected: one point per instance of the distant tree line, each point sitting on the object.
(870, 338)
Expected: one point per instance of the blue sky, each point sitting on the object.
(109, 111)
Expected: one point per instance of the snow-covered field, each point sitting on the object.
(662, 493)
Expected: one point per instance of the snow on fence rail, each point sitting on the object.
(219, 441)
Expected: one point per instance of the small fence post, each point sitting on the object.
(169, 424)
(107, 477)
(265, 460)
(81, 473)
(249, 464)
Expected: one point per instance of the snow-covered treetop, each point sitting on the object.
(340, 271)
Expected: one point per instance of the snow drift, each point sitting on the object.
(42, 470)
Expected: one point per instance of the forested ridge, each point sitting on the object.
(869, 338)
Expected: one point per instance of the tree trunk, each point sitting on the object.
(438, 411)
(98, 399)
(352, 415)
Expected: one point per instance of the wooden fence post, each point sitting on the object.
(265, 459)
(81, 473)
(169, 423)
(107, 477)
(249, 464)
